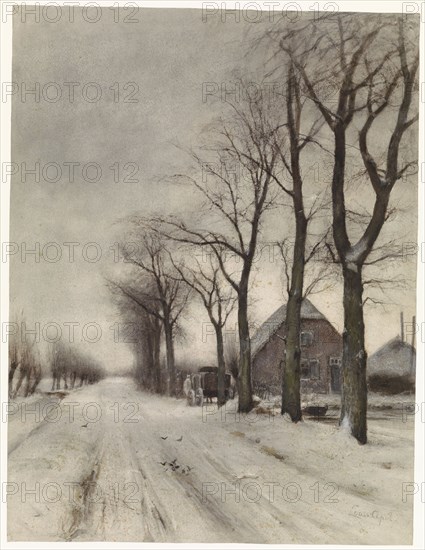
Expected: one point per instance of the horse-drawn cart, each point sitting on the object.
(204, 385)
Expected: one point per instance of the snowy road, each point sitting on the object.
(108, 462)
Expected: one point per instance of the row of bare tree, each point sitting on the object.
(154, 297)
(359, 130)
(66, 363)
(74, 368)
(25, 370)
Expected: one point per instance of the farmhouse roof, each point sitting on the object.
(268, 329)
(394, 357)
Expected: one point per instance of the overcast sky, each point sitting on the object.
(166, 56)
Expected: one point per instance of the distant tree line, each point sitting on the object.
(72, 367)
(25, 370)
(69, 366)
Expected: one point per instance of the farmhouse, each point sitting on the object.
(321, 353)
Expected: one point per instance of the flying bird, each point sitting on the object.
(166, 437)
(180, 439)
(85, 425)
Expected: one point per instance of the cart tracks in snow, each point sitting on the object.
(119, 500)
(161, 474)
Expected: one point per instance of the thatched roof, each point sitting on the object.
(395, 358)
(269, 328)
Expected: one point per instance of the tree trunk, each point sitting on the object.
(146, 373)
(221, 397)
(28, 381)
(244, 378)
(156, 356)
(171, 367)
(12, 370)
(354, 358)
(291, 399)
(37, 378)
(20, 380)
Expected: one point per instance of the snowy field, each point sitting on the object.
(109, 463)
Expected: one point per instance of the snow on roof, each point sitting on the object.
(276, 320)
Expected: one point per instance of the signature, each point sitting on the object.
(372, 514)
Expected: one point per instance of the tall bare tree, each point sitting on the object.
(366, 67)
(150, 329)
(160, 294)
(237, 192)
(294, 135)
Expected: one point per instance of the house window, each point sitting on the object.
(305, 370)
(314, 369)
(310, 370)
(306, 338)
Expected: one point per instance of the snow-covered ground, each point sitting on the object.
(107, 462)
(376, 401)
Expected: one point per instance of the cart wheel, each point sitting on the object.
(199, 397)
(230, 393)
(191, 398)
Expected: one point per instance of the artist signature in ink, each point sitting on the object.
(357, 512)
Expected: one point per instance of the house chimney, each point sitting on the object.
(401, 326)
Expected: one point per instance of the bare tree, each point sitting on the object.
(219, 302)
(161, 295)
(231, 354)
(14, 361)
(59, 365)
(67, 362)
(366, 67)
(25, 360)
(150, 330)
(297, 134)
(142, 331)
(237, 204)
(29, 370)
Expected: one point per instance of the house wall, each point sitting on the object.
(327, 342)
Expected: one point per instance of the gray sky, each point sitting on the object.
(168, 54)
